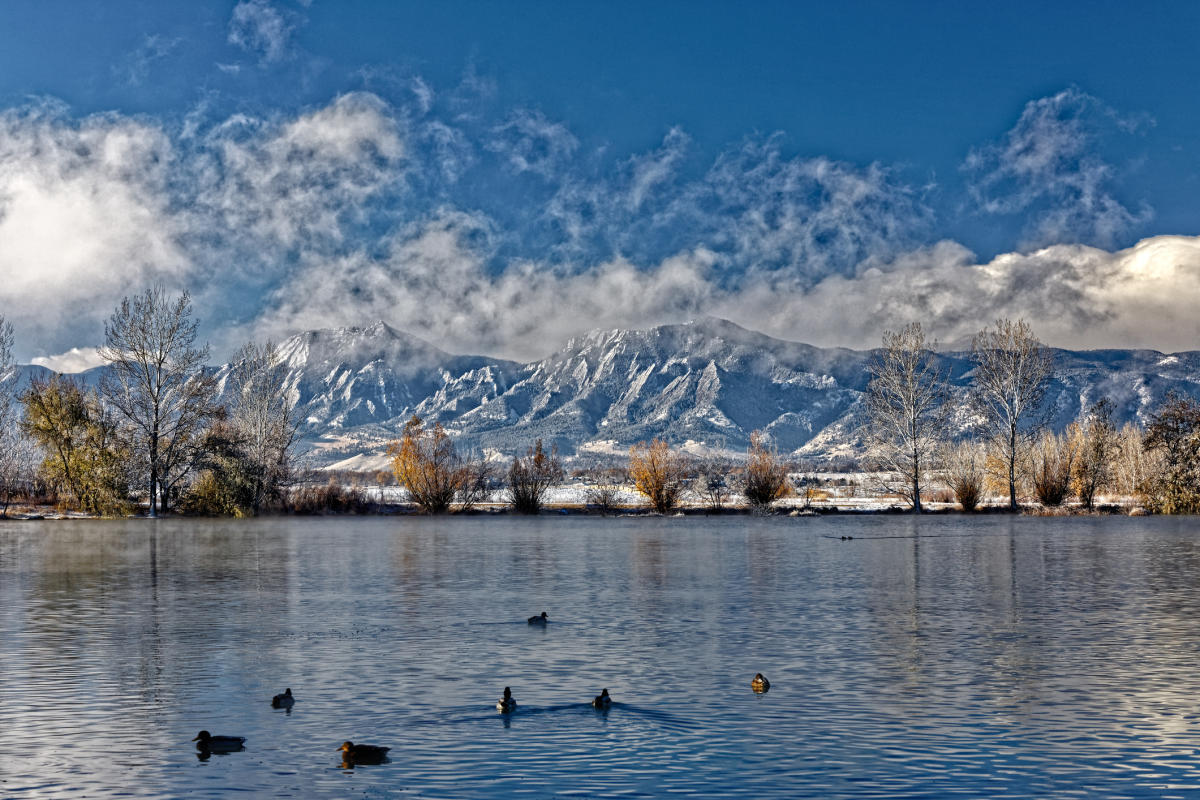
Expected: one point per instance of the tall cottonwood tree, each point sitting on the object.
(157, 384)
(906, 403)
(1011, 370)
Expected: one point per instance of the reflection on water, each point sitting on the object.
(991, 657)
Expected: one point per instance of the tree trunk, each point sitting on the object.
(154, 474)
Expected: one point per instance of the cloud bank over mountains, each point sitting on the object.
(503, 232)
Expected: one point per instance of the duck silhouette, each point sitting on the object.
(219, 744)
(362, 753)
(284, 700)
(540, 619)
(760, 683)
(602, 700)
(506, 704)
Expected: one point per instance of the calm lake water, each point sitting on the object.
(985, 657)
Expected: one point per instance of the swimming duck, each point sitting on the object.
(506, 704)
(363, 753)
(218, 744)
(760, 684)
(284, 700)
(602, 700)
(540, 619)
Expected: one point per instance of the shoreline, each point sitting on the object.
(49, 513)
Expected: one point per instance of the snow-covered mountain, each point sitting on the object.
(708, 383)
(703, 384)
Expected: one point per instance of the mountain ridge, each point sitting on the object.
(704, 384)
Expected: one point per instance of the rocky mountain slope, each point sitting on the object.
(707, 383)
(703, 384)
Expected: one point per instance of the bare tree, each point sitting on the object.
(711, 483)
(7, 378)
(16, 451)
(261, 411)
(906, 404)
(606, 481)
(1096, 446)
(1012, 368)
(157, 382)
(1133, 463)
(18, 461)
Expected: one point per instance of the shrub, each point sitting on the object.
(332, 498)
(1053, 464)
(1173, 436)
(765, 479)
(966, 473)
(427, 465)
(658, 473)
(530, 477)
(605, 491)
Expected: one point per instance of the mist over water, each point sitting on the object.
(983, 657)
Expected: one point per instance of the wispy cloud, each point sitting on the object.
(135, 69)
(261, 29)
(1048, 164)
(360, 209)
(528, 142)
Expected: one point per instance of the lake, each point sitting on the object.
(978, 657)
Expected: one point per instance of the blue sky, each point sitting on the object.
(499, 176)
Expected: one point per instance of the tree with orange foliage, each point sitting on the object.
(426, 463)
(657, 472)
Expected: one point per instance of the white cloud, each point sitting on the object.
(435, 282)
(1048, 164)
(259, 28)
(302, 180)
(96, 209)
(77, 359)
(1074, 296)
(84, 217)
(283, 223)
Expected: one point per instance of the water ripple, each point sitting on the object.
(948, 657)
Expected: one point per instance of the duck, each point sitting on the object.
(540, 619)
(760, 683)
(506, 704)
(218, 744)
(284, 700)
(602, 700)
(363, 753)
